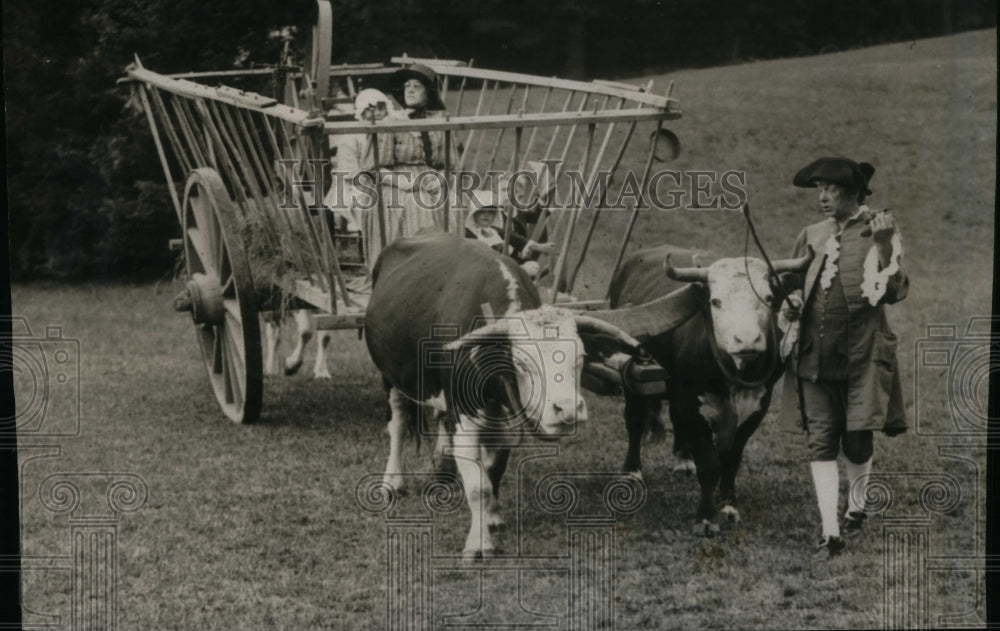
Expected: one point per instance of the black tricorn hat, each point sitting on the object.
(423, 74)
(851, 175)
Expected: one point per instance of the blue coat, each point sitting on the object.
(874, 390)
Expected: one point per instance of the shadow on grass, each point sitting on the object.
(349, 404)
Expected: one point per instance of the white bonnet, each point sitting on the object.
(370, 96)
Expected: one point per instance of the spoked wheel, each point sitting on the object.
(219, 294)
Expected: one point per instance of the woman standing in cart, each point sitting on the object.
(418, 153)
(408, 200)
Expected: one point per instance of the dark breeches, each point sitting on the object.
(825, 405)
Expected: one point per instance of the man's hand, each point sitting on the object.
(791, 312)
(792, 308)
(883, 226)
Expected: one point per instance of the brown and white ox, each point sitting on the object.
(460, 330)
(722, 363)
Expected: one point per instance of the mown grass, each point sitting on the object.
(251, 527)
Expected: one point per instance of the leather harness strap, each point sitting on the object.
(721, 360)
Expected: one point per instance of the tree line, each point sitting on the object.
(85, 192)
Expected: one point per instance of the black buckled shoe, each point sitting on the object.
(853, 522)
(829, 546)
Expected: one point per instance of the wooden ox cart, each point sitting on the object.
(224, 150)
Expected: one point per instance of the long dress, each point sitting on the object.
(403, 157)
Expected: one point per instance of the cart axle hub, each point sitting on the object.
(203, 298)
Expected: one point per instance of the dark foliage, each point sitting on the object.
(86, 195)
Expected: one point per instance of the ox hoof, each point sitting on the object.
(705, 528)
(291, 369)
(495, 523)
(322, 374)
(634, 475)
(471, 556)
(685, 466)
(730, 514)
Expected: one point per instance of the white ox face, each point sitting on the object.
(546, 355)
(740, 307)
(548, 364)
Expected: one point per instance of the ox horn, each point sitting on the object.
(794, 265)
(686, 274)
(592, 324)
(493, 329)
(652, 318)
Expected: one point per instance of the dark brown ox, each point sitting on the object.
(722, 362)
(458, 330)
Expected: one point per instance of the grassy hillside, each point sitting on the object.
(251, 527)
(923, 113)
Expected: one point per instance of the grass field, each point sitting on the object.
(258, 527)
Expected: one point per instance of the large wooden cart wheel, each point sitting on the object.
(219, 294)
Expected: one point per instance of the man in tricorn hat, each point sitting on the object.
(842, 376)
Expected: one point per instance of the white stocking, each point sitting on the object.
(826, 480)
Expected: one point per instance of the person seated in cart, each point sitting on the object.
(488, 223)
(528, 192)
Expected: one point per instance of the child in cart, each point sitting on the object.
(488, 223)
